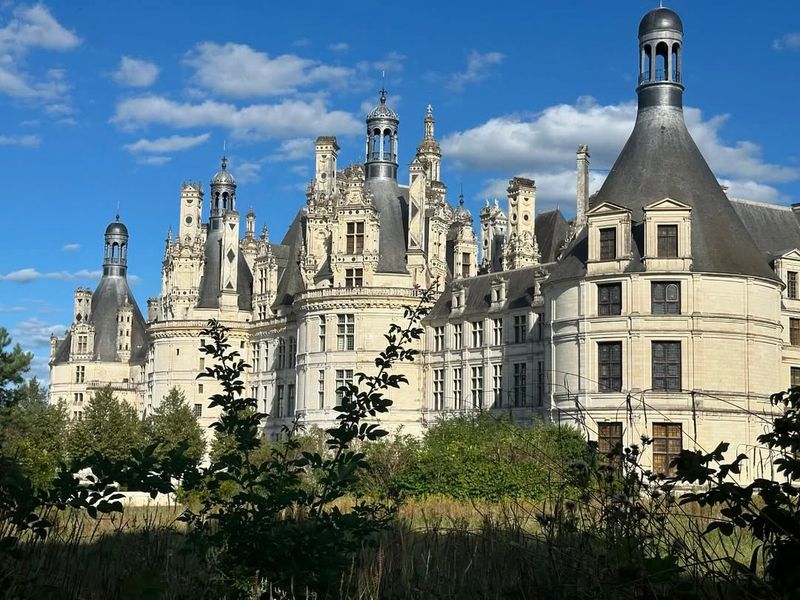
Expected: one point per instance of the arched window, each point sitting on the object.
(388, 150)
(123, 253)
(114, 252)
(661, 61)
(216, 202)
(224, 200)
(676, 62)
(647, 63)
(376, 144)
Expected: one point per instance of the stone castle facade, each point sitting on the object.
(664, 308)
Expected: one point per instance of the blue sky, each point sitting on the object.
(116, 103)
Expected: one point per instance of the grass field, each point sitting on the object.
(436, 548)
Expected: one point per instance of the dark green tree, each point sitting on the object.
(110, 427)
(172, 423)
(33, 434)
(14, 363)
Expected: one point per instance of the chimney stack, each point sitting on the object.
(582, 156)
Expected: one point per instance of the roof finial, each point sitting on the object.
(383, 87)
(461, 195)
(224, 161)
(430, 110)
(660, 3)
(116, 218)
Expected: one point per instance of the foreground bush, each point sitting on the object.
(478, 456)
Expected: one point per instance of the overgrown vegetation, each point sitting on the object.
(477, 508)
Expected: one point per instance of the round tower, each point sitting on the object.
(381, 150)
(660, 59)
(223, 190)
(115, 257)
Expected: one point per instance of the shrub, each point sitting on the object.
(478, 456)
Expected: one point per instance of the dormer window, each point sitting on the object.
(459, 299)
(668, 236)
(608, 243)
(667, 241)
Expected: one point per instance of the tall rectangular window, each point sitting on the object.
(344, 377)
(608, 243)
(77, 397)
(256, 347)
(199, 388)
(80, 374)
(520, 328)
(497, 332)
(323, 330)
(438, 338)
(609, 366)
(292, 351)
(666, 366)
(353, 277)
(477, 387)
(609, 439)
(520, 383)
(438, 389)
(609, 299)
(667, 241)
(321, 388)
(198, 410)
(794, 332)
(497, 385)
(477, 334)
(795, 374)
(458, 398)
(465, 266)
(278, 408)
(457, 336)
(667, 445)
(281, 359)
(83, 344)
(355, 237)
(665, 298)
(791, 284)
(540, 382)
(290, 400)
(345, 332)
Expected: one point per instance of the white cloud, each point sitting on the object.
(153, 161)
(238, 71)
(71, 247)
(554, 189)
(32, 27)
(58, 109)
(289, 118)
(301, 170)
(33, 332)
(173, 143)
(28, 274)
(788, 41)
(12, 309)
(294, 149)
(247, 172)
(26, 141)
(477, 69)
(542, 146)
(134, 72)
(340, 47)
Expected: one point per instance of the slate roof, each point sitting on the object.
(111, 293)
(660, 160)
(291, 282)
(391, 202)
(550, 230)
(209, 284)
(519, 294)
(775, 229)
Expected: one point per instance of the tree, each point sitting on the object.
(13, 365)
(110, 427)
(33, 433)
(174, 422)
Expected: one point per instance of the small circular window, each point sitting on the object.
(189, 219)
(525, 217)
